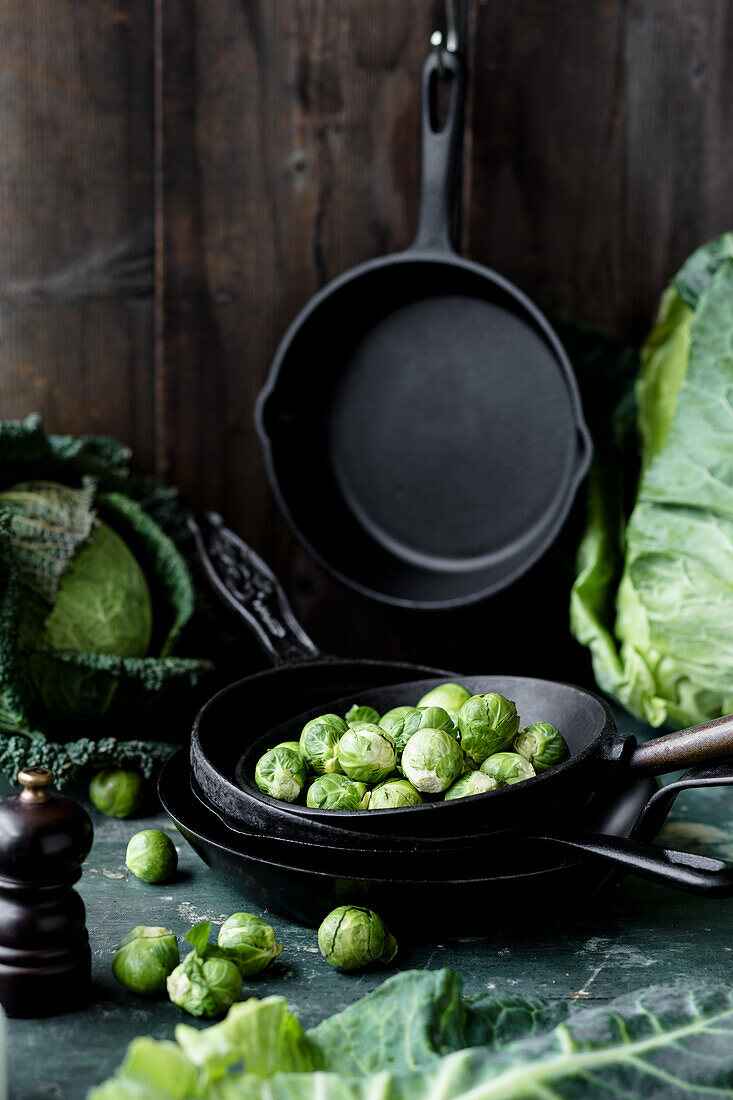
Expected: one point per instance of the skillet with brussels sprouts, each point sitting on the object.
(449, 744)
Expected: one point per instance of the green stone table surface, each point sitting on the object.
(636, 935)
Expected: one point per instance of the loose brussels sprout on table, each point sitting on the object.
(432, 760)
(281, 773)
(394, 793)
(206, 983)
(319, 743)
(337, 792)
(471, 783)
(351, 938)
(116, 792)
(451, 743)
(367, 752)
(361, 714)
(249, 942)
(145, 958)
(450, 697)
(507, 768)
(487, 724)
(151, 856)
(542, 745)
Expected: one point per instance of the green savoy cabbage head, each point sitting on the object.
(78, 601)
(84, 590)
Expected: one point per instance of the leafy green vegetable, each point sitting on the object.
(352, 937)
(52, 692)
(416, 1038)
(206, 983)
(262, 1034)
(145, 958)
(151, 856)
(407, 1022)
(653, 598)
(117, 792)
(361, 714)
(249, 942)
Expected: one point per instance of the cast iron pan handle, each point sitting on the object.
(249, 588)
(699, 745)
(654, 814)
(440, 152)
(696, 874)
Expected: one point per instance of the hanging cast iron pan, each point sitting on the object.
(455, 903)
(421, 424)
(302, 679)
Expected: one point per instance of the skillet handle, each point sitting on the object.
(688, 871)
(655, 813)
(699, 745)
(439, 154)
(250, 588)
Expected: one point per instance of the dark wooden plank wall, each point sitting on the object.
(264, 146)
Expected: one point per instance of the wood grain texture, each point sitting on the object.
(76, 288)
(602, 148)
(285, 138)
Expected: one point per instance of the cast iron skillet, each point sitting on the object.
(534, 812)
(458, 900)
(270, 698)
(421, 423)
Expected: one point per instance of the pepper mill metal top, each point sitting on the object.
(35, 783)
(44, 947)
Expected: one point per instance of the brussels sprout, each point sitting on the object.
(450, 697)
(541, 744)
(248, 942)
(432, 760)
(507, 768)
(337, 792)
(151, 856)
(393, 794)
(471, 783)
(400, 724)
(488, 724)
(351, 938)
(281, 773)
(117, 793)
(435, 718)
(145, 958)
(361, 714)
(206, 983)
(395, 712)
(294, 746)
(367, 752)
(319, 743)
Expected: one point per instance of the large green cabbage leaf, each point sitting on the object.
(653, 598)
(416, 1038)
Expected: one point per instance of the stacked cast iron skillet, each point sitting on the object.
(461, 862)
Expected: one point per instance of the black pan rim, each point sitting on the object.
(335, 817)
(574, 477)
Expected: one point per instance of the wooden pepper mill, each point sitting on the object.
(45, 960)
